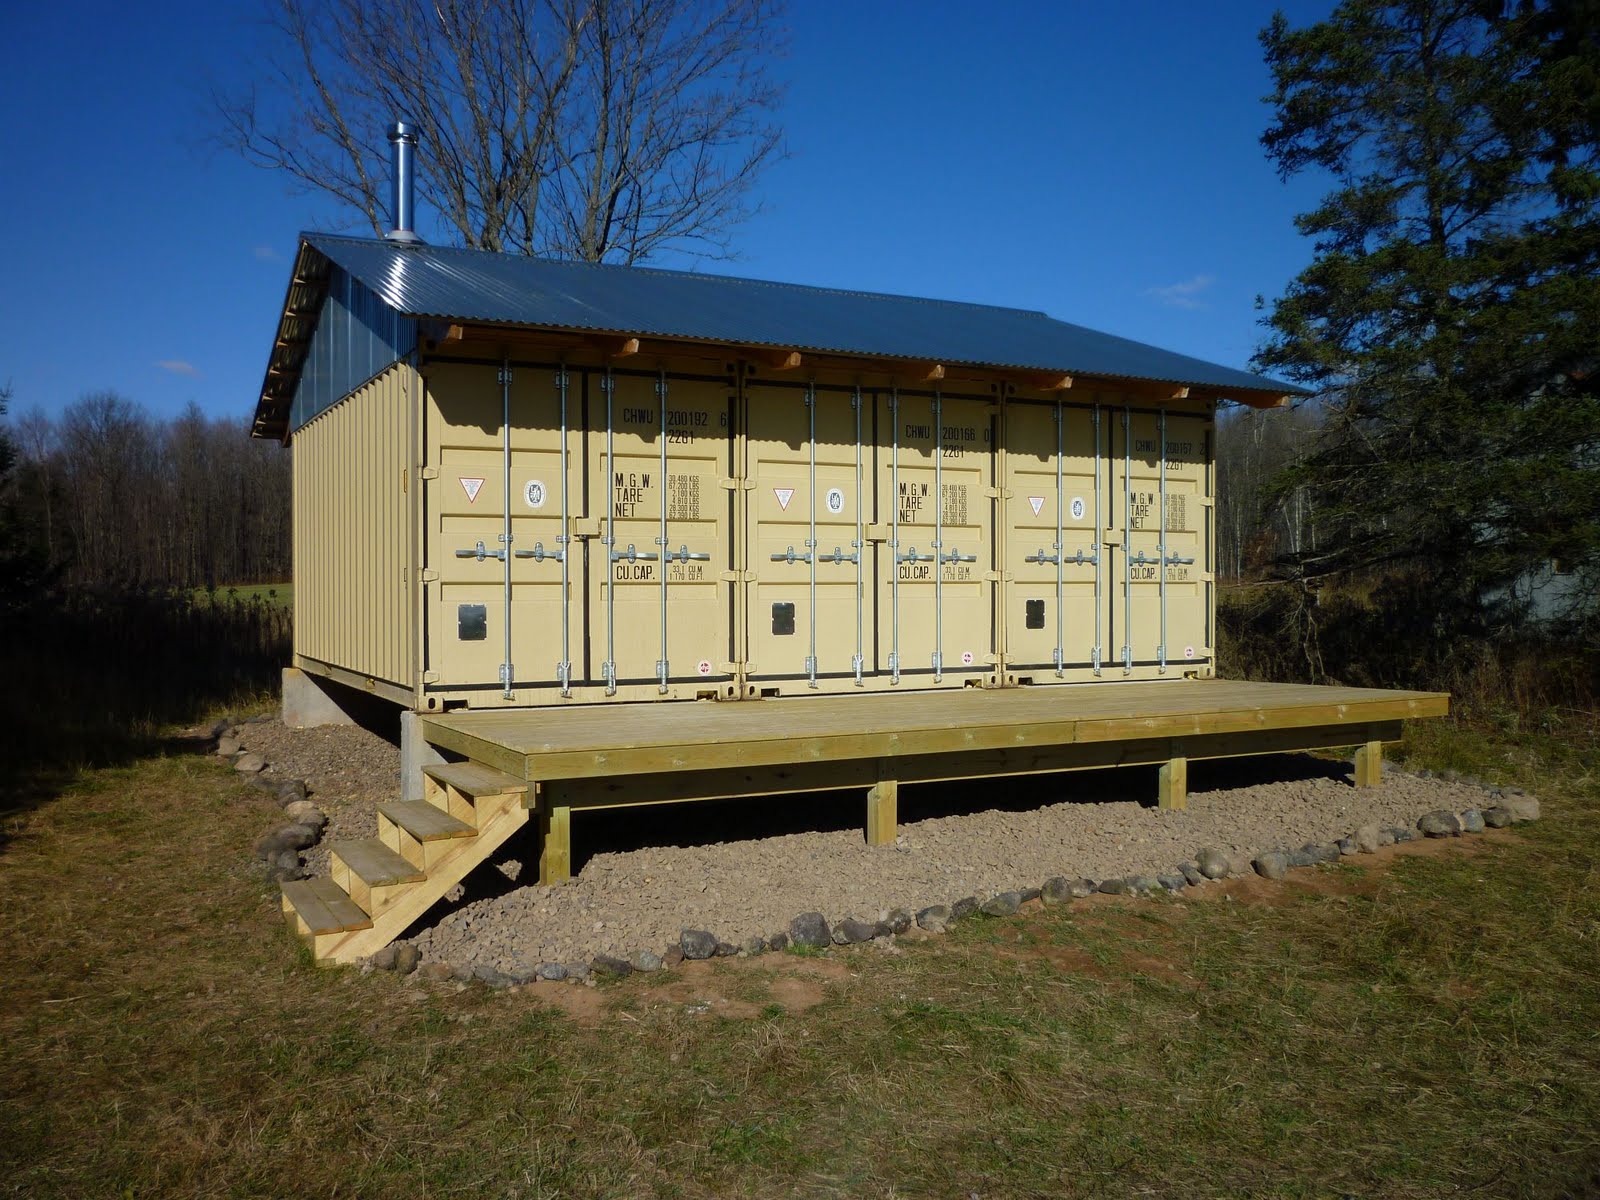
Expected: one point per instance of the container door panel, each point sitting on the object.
(935, 595)
(1055, 508)
(1162, 610)
(809, 503)
(660, 590)
(475, 601)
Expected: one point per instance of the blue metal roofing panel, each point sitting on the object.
(479, 286)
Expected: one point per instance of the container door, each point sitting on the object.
(1162, 614)
(935, 490)
(808, 511)
(661, 594)
(504, 615)
(1055, 510)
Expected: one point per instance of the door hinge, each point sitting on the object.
(427, 575)
(428, 473)
(430, 677)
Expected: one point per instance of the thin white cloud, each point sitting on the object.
(1185, 294)
(268, 254)
(179, 367)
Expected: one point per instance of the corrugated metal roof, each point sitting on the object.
(478, 286)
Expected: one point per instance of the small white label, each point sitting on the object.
(1078, 508)
(471, 486)
(966, 658)
(784, 495)
(533, 493)
(836, 500)
(704, 666)
(1188, 651)
(1036, 503)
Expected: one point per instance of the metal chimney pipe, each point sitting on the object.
(403, 152)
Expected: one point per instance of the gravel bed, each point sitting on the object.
(641, 899)
(347, 771)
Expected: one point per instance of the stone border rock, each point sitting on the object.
(282, 849)
(811, 932)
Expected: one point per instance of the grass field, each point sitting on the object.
(280, 595)
(1424, 1027)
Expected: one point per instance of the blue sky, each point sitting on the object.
(1096, 161)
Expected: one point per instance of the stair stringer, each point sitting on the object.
(391, 922)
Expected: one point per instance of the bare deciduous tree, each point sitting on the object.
(601, 130)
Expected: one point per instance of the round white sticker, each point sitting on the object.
(1188, 651)
(533, 493)
(966, 658)
(704, 667)
(1077, 508)
(835, 500)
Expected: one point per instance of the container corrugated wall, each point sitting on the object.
(352, 533)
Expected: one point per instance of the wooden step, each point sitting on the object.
(421, 833)
(462, 789)
(321, 913)
(474, 779)
(371, 872)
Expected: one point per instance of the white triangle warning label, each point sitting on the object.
(470, 486)
(1036, 503)
(784, 495)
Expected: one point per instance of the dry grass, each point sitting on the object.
(1421, 1029)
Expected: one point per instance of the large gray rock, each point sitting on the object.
(1439, 823)
(697, 943)
(1082, 887)
(1003, 905)
(551, 972)
(1322, 852)
(778, 941)
(1114, 887)
(1347, 845)
(850, 932)
(755, 945)
(646, 960)
(1302, 858)
(1213, 863)
(1192, 874)
(249, 764)
(898, 920)
(1523, 807)
(227, 747)
(610, 964)
(1472, 821)
(1497, 817)
(810, 929)
(1056, 890)
(1142, 885)
(383, 960)
(1368, 838)
(1274, 864)
(963, 908)
(290, 837)
(303, 812)
(288, 791)
(1172, 881)
(406, 959)
(935, 918)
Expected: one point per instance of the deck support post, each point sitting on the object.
(1172, 783)
(555, 840)
(1369, 765)
(883, 803)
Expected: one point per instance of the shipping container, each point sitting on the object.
(527, 516)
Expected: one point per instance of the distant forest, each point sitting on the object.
(112, 496)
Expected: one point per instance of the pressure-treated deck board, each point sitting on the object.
(597, 741)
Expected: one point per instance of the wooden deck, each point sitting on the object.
(619, 755)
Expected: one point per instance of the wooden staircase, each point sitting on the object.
(379, 886)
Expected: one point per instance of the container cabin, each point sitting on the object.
(614, 536)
